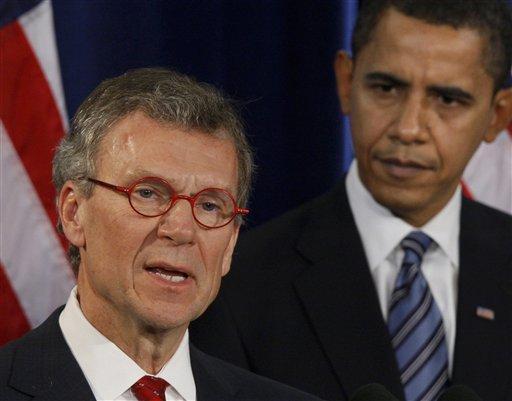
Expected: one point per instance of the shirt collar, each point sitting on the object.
(381, 231)
(108, 370)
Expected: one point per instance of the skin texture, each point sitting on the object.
(144, 315)
(420, 103)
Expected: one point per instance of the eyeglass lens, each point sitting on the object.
(211, 207)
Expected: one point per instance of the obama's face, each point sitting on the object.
(420, 102)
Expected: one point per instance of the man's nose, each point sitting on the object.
(178, 222)
(411, 121)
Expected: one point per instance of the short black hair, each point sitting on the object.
(491, 18)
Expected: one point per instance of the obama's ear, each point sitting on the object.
(343, 69)
(502, 114)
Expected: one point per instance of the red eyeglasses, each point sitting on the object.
(153, 196)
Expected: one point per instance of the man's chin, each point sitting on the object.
(407, 204)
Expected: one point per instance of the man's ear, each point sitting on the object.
(228, 253)
(502, 114)
(68, 206)
(343, 69)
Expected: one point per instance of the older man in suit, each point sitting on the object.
(392, 277)
(151, 184)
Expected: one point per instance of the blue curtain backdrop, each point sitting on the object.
(274, 56)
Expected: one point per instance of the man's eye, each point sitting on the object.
(385, 88)
(145, 193)
(209, 206)
(448, 100)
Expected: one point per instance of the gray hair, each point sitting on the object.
(163, 95)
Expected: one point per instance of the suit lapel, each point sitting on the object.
(45, 368)
(483, 354)
(340, 299)
(210, 382)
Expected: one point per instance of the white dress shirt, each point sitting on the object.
(381, 233)
(109, 371)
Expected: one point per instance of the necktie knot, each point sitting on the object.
(416, 242)
(150, 388)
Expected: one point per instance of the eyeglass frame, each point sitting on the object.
(191, 199)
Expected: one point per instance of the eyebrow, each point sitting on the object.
(452, 92)
(388, 78)
(448, 91)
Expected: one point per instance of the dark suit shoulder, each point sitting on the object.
(280, 230)
(16, 356)
(273, 243)
(9, 351)
(46, 334)
(7, 393)
(6, 357)
(486, 216)
(486, 228)
(41, 364)
(265, 262)
(245, 385)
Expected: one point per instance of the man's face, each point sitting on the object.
(420, 103)
(124, 254)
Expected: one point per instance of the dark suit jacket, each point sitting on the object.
(41, 367)
(300, 306)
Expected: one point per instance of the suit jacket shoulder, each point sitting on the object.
(284, 231)
(217, 380)
(40, 366)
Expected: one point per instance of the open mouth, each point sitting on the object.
(173, 276)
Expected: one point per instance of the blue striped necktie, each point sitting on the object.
(416, 326)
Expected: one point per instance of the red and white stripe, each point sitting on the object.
(488, 176)
(35, 276)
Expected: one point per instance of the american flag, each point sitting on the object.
(35, 277)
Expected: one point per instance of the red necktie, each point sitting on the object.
(150, 388)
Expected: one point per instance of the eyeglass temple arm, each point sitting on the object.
(242, 211)
(111, 186)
